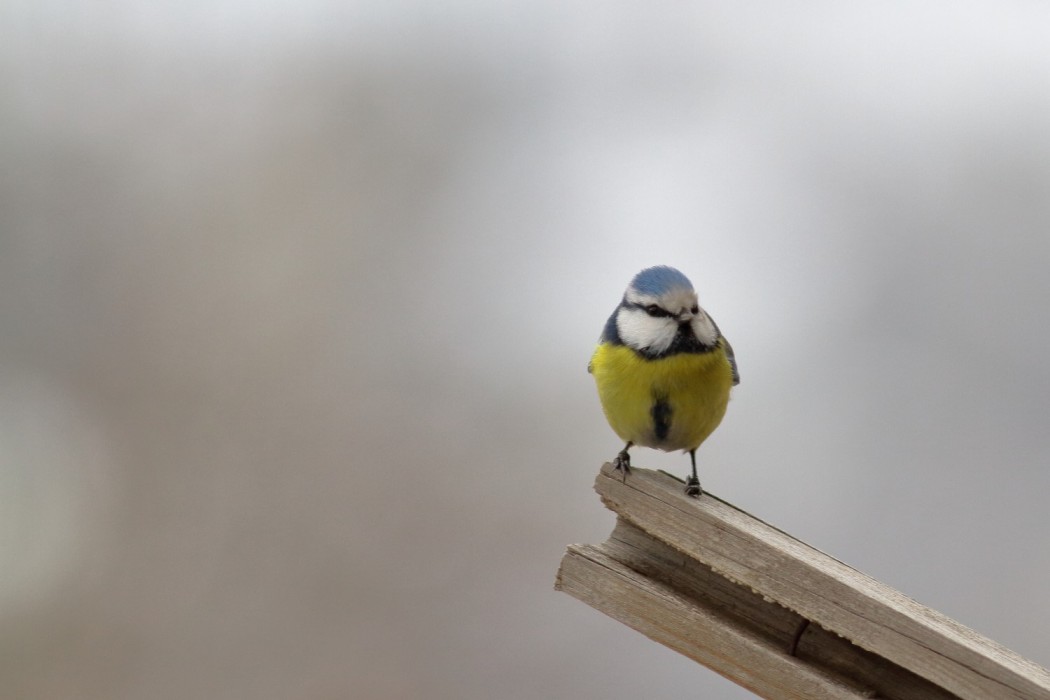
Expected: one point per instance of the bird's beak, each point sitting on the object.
(685, 317)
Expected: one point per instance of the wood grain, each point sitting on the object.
(755, 583)
(673, 620)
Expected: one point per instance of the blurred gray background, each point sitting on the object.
(296, 301)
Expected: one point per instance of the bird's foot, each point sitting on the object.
(622, 463)
(692, 487)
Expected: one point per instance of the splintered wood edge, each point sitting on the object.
(783, 569)
(658, 612)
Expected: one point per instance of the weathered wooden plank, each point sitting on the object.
(780, 568)
(675, 621)
(740, 608)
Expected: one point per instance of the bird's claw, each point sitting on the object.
(622, 463)
(692, 487)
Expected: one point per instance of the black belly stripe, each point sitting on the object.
(661, 412)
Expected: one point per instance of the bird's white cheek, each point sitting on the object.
(704, 330)
(641, 331)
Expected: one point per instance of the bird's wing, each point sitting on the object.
(732, 360)
(730, 355)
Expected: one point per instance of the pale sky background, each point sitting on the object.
(296, 301)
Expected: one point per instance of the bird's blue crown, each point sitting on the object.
(656, 281)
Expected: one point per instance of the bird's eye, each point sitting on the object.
(695, 309)
(656, 311)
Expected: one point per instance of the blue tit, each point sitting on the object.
(663, 369)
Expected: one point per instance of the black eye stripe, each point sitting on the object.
(656, 311)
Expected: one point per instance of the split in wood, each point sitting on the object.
(773, 614)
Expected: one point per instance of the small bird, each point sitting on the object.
(663, 369)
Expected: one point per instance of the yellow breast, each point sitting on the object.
(672, 403)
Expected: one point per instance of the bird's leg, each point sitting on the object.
(623, 461)
(692, 484)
